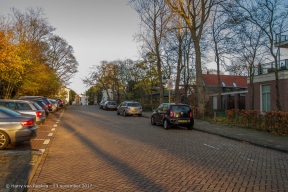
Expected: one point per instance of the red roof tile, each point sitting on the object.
(212, 80)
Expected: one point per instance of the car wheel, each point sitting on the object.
(124, 113)
(190, 127)
(153, 121)
(4, 139)
(118, 112)
(166, 124)
(140, 115)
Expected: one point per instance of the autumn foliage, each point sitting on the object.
(27, 66)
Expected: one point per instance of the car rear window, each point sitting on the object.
(112, 103)
(134, 104)
(10, 105)
(46, 101)
(40, 103)
(23, 106)
(10, 112)
(183, 108)
(37, 106)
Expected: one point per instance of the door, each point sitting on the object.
(158, 114)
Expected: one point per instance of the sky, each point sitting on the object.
(96, 29)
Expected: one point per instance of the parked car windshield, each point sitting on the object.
(180, 108)
(134, 104)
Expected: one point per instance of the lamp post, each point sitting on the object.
(164, 79)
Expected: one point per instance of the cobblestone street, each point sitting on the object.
(97, 150)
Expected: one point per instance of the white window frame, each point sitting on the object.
(261, 99)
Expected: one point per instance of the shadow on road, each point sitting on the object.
(132, 174)
(16, 167)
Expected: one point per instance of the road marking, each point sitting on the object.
(211, 146)
(55, 125)
(50, 134)
(46, 141)
(53, 129)
(248, 159)
(38, 139)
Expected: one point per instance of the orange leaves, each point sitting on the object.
(11, 68)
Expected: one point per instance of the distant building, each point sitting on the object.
(64, 94)
(233, 91)
(81, 99)
(105, 95)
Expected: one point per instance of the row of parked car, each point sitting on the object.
(125, 108)
(166, 114)
(20, 118)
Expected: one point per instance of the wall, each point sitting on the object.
(269, 79)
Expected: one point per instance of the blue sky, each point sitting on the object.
(96, 29)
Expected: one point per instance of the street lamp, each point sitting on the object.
(164, 79)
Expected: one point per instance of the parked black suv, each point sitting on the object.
(171, 114)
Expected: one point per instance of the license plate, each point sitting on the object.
(183, 121)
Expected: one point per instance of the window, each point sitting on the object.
(134, 104)
(160, 108)
(10, 105)
(223, 84)
(165, 107)
(265, 97)
(37, 106)
(23, 106)
(234, 84)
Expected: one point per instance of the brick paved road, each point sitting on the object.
(96, 150)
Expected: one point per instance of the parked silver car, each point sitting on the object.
(44, 99)
(16, 127)
(101, 104)
(129, 108)
(55, 104)
(110, 105)
(25, 107)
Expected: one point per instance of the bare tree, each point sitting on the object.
(31, 30)
(61, 58)
(154, 15)
(195, 14)
(271, 16)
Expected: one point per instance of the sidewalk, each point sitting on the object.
(249, 136)
(19, 163)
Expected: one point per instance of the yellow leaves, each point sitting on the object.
(11, 66)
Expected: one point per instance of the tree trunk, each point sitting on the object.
(199, 84)
(179, 62)
(278, 105)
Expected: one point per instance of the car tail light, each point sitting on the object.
(171, 114)
(38, 114)
(191, 115)
(27, 123)
(44, 107)
(49, 105)
(127, 107)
